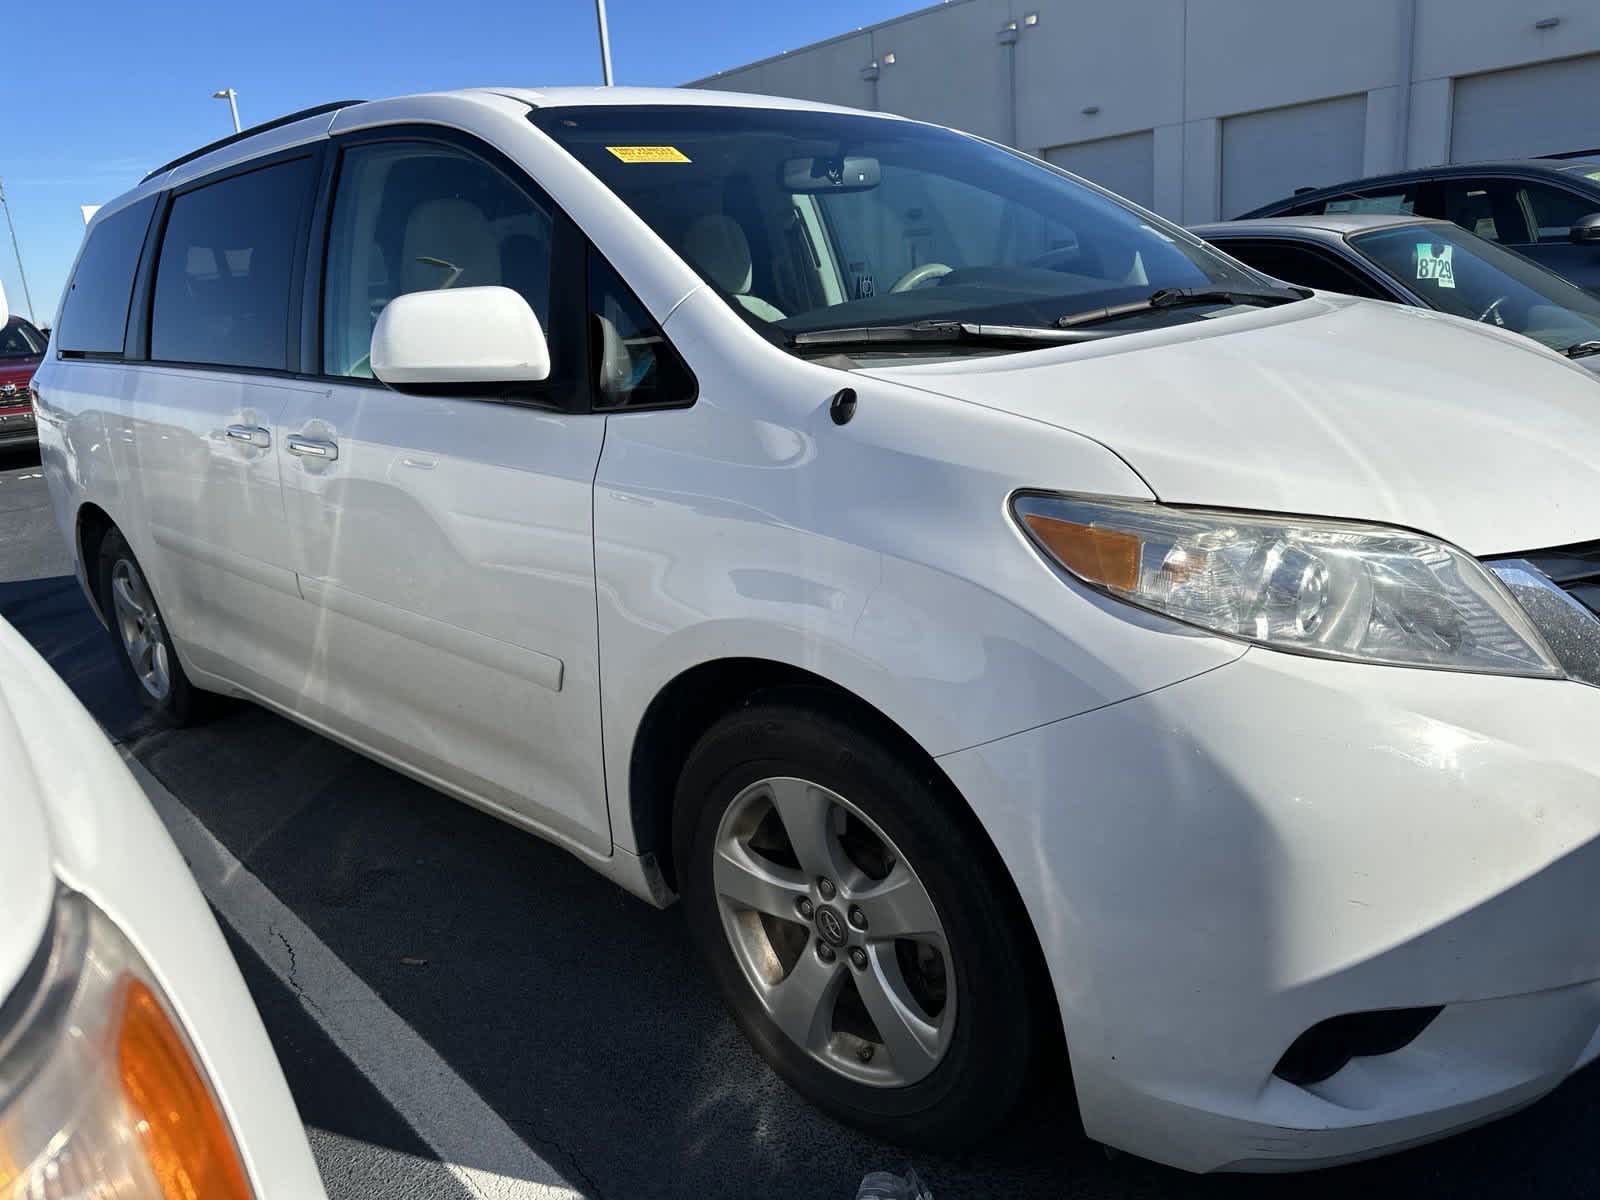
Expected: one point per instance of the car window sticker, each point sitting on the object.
(649, 154)
(1436, 262)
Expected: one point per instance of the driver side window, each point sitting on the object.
(419, 216)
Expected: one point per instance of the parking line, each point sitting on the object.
(443, 1109)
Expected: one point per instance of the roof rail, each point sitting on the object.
(288, 119)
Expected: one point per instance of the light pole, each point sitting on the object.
(605, 40)
(17, 250)
(232, 97)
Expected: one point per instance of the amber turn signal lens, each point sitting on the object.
(186, 1140)
(1108, 557)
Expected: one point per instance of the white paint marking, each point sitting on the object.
(438, 1104)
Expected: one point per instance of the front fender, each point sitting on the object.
(877, 554)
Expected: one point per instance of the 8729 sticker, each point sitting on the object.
(1436, 263)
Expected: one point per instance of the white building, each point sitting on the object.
(1203, 109)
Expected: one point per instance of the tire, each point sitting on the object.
(882, 820)
(140, 637)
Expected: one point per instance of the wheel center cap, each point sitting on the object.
(831, 926)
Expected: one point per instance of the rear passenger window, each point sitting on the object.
(222, 281)
(94, 314)
(1398, 201)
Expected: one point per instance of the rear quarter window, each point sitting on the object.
(18, 339)
(94, 314)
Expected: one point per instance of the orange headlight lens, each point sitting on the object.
(1105, 556)
(185, 1138)
(100, 1094)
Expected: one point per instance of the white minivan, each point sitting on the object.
(1005, 621)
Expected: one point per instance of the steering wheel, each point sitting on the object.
(1054, 260)
(918, 276)
(1491, 310)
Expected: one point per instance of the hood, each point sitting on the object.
(27, 883)
(1329, 407)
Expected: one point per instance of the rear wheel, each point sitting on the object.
(143, 644)
(844, 910)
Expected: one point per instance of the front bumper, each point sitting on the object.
(17, 426)
(1216, 866)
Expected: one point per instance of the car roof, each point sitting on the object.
(299, 126)
(1567, 167)
(1336, 224)
(578, 97)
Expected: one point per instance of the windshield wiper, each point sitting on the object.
(938, 333)
(1179, 297)
(1582, 349)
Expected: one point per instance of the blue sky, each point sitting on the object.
(97, 92)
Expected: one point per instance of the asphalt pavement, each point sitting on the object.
(574, 1011)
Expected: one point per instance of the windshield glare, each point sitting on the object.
(807, 220)
(1460, 273)
(18, 339)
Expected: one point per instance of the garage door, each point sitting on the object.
(1542, 109)
(1124, 164)
(1267, 155)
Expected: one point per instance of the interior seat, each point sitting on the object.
(717, 245)
(448, 243)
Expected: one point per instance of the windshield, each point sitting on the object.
(807, 221)
(1589, 170)
(1458, 272)
(18, 339)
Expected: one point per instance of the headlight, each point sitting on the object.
(99, 1092)
(1331, 588)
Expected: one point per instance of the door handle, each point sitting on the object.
(313, 447)
(250, 435)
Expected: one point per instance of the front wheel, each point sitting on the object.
(851, 925)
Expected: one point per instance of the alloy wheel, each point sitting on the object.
(835, 932)
(139, 626)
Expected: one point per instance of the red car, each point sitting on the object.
(21, 351)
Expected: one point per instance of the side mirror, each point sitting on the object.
(1586, 230)
(469, 339)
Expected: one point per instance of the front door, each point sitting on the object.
(445, 544)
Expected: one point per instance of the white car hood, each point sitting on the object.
(1332, 407)
(27, 883)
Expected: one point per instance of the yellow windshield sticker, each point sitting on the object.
(648, 154)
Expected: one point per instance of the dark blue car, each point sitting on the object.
(1546, 209)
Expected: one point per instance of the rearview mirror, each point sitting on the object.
(468, 339)
(850, 173)
(1585, 230)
